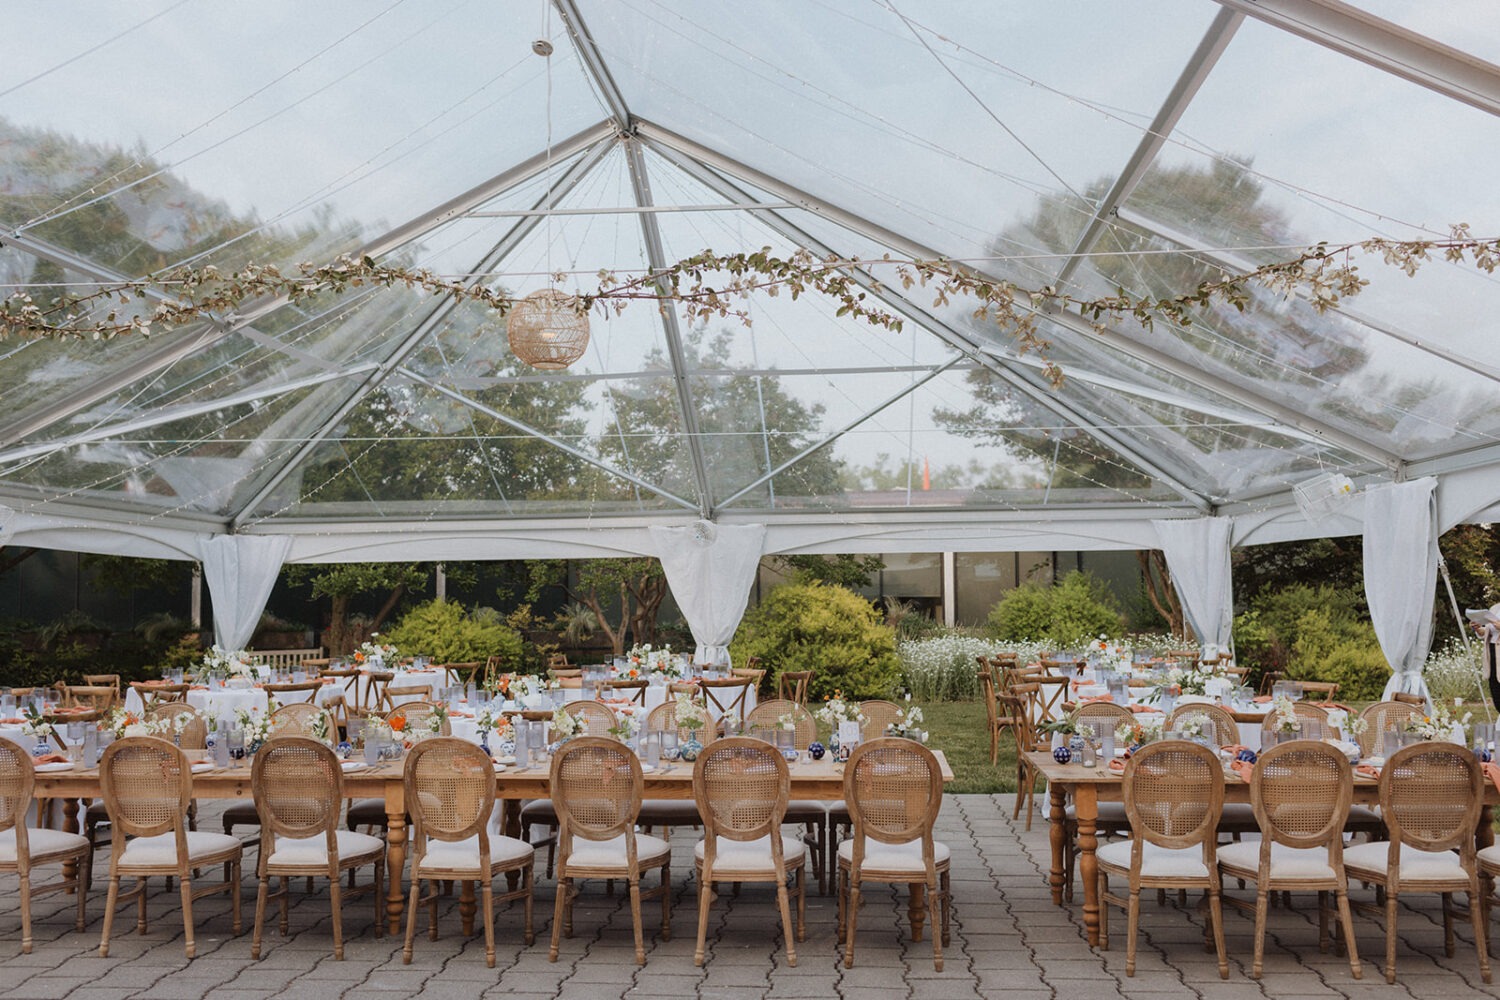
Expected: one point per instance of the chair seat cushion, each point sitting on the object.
(463, 855)
(806, 811)
(1489, 859)
(897, 859)
(649, 852)
(669, 812)
(41, 843)
(313, 851)
(162, 848)
(1110, 814)
(1416, 866)
(539, 811)
(753, 855)
(1286, 862)
(1156, 862)
(367, 812)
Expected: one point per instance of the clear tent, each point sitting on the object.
(1088, 147)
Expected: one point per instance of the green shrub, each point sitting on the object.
(444, 631)
(829, 630)
(1334, 647)
(1072, 611)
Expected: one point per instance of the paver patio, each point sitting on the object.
(1008, 940)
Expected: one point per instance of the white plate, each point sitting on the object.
(61, 765)
(200, 768)
(648, 768)
(502, 761)
(353, 765)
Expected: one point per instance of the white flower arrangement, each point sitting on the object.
(653, 660)
(320, 727)
(527, 686)
(1112, 655)
(125, 724)
(257, 727)
(787, 720)
(1138, 733)
(372, 650)
(1284, 714)
(35, 725)
(690, 715)
(436, 720)
(229, 662)
(567, 725)
(625, 728)
(731, 720)
(1191, 726)
(1441, 724)
(836, 710)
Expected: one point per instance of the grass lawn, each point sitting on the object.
(959, 729)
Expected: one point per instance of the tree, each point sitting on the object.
(748, 425)
(842, 570)
(1156, 577)
(342, 582)
(624, 595)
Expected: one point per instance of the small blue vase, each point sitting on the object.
(345, 749)
(1062, 755)
(690, 748)
(1076, 744)
(817, 750)
(41, 749)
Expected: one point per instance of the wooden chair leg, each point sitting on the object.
(187, 915)
(850, 919)
(1342, 895)
(1476, 915)
(1132, 926)
(260, 916)
(1390, 935)
(489, 922)
(25, 915)
(111, 900)
(635, 920)
(557, 917)
(336, 907)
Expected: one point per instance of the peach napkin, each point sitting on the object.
(1262, 699)
(1492, 771)
(1329, 706)
(1097, 697)
(1243, 768)
(1234, 749)
(52, 758)
(1117, 766)
(1371, 771)
(12, 722)
(1144, 708)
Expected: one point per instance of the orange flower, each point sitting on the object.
(397, 722)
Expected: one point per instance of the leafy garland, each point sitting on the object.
(710, 285)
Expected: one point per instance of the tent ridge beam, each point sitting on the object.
(430, 322)
(540, 435)
(1215, 40)
(1386, 46)
(593, 62)
(671, 328)
(973, 351)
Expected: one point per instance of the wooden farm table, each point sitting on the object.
(822, 780)
(1090, 786)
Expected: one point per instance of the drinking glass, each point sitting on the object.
(650, 751)
(668, 745)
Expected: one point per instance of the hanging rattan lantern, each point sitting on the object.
(547, 331)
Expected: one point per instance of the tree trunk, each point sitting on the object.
(337, 635)
(616, 637)
(1159, 589)
(388, 607)
(13, 557)
(648, 593)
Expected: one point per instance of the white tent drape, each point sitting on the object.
(241, 570)
(710, 569)
(1401, 557)
(1197, 551)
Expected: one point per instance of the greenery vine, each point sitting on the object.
(711, 285)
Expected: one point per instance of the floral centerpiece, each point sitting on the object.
(908, 724)
(257, 727)
(1444, 723)
(647, 659)
(527, 689)
(434, 724)
(221, 664)
(625, 728)
(567, 725)
(1136, 733)
(1111, 654)
(125, 724)
(1191, 726)
(1284, 718)
(837, 709)
(690, 714)
(36, 726)
(371, 650)
(321, 728)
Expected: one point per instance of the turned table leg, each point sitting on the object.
(395, 856)
(1058, 833)
(1086, 804)
(70, 825)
